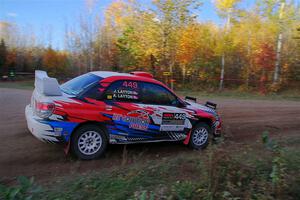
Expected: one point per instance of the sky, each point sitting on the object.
(51, 16)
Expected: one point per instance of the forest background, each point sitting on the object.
(255, 49)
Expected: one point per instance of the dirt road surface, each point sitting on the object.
(22, 154)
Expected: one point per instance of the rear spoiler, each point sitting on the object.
(46, 85)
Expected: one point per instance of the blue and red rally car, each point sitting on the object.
(99, 108)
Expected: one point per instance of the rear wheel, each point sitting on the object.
(89, 142)
(200, 136)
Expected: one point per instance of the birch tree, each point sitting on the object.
(226, 9)
(282, 14)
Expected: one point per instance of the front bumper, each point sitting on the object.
(217, 128)
(40, 129)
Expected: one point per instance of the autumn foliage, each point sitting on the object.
(169, 36)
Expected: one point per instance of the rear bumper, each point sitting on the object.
(40, 129)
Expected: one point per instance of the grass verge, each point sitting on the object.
(27, 85)
(258, 171)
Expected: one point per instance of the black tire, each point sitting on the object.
(89, 137)
(200, 136)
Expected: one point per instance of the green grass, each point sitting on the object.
(216, 173)
(27, 85)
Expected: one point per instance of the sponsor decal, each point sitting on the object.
(119, 137)
(137, 119)
(125, 94)
(171, 127)
(173, 122)
(173, 118)
(109, 97)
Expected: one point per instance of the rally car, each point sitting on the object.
(100, 108)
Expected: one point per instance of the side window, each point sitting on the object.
(126, 90)
(93, 93)
(156, 94)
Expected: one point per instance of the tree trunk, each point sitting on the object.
(152, 61)
(171, 76)
(279, 45)
(249, 65)
(91, 63)
(222, 73)
(183, 73)
(278, 59)
(263, 80)
(221, 86)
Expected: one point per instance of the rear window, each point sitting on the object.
(80, 83)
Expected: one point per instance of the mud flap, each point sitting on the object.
(187, 139)
(67, 148)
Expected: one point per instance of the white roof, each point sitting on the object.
(106, 74)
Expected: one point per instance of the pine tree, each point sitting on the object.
(3, 55)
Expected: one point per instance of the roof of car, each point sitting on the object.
(112, 76)
(109, 76)
(106, 74)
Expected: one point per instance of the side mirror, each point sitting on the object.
(180, 104)
(191, 99)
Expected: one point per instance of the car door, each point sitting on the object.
(167, 111)
(141, 111)
(130, 122)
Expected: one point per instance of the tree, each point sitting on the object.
(3, 56)
(11, 59)
(120, 21)
(279, 46)
(281, 13)
(166, 35)
(226, 9)
(196, 49)
(56, 63)
(248, 35)
(187, 47)
(139, 42)
(172, 15)
(265, 57)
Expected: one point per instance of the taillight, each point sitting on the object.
(44, 110)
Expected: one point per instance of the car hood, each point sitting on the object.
(201, 110)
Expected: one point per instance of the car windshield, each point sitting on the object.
(79, 84)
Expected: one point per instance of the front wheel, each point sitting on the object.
(200, 136)
(89, 142)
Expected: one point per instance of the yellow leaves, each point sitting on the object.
(187, 47)
(194, 41)
(225, 5)
(285, 66)
(119, 15)
(55, 62)
(11, 57)
(167, 34)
